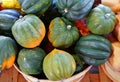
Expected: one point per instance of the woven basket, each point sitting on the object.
(75, 78)
(110, 72)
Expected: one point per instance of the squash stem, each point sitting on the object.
(65, 10)
(69, 27)
(107, 15)
(20, 17)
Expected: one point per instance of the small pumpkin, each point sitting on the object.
(38, 7)
(7, 18)
(30, 60)
(58, 65)
(94, 49)
(101, 20)
(14, 4)
(74, 9)
(8, 52)
(62, 33)
(29, 31)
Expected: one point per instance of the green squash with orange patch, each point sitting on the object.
(58, 65)
(8, 51)
(62, 33)
(29, 31)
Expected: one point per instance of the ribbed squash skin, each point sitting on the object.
(74, 9)
(7, 18)
(8, 52)
(30, 60)
(29, 31)
(62, 33)
(94, 49)
(58, 65)
(101, 20)
(35, 6)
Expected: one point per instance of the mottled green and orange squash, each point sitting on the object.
(8, 52)
(29, 31)
(62, 33)
(58, 65)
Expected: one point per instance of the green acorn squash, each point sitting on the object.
(101, 20)
(58, 65)
(94, 49)
(29, 31)
(62, 33)
(38, 7)
(30, 60)
(8, 52)
(74, 9)
(7, 18)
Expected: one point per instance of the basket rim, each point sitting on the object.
(76, 76)
(110, 72)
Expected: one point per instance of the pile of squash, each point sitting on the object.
(57, 38)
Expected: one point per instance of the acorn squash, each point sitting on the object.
(58, 65)
(29, 31)
(101, 20)
(74, 9)
(94, 49)
(7, 18)
(30, 60)
(62, 33)
(37, 7)
(8, 52)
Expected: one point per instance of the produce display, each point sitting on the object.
(57, 39)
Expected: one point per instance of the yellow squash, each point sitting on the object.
(10, 4)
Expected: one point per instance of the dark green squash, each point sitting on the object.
(38, 7)
(62, 33)
(94, 49)
(101, 20)
(74, 9)
(30, 60)
(8, 52)
(7, 18)
(79, 63)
